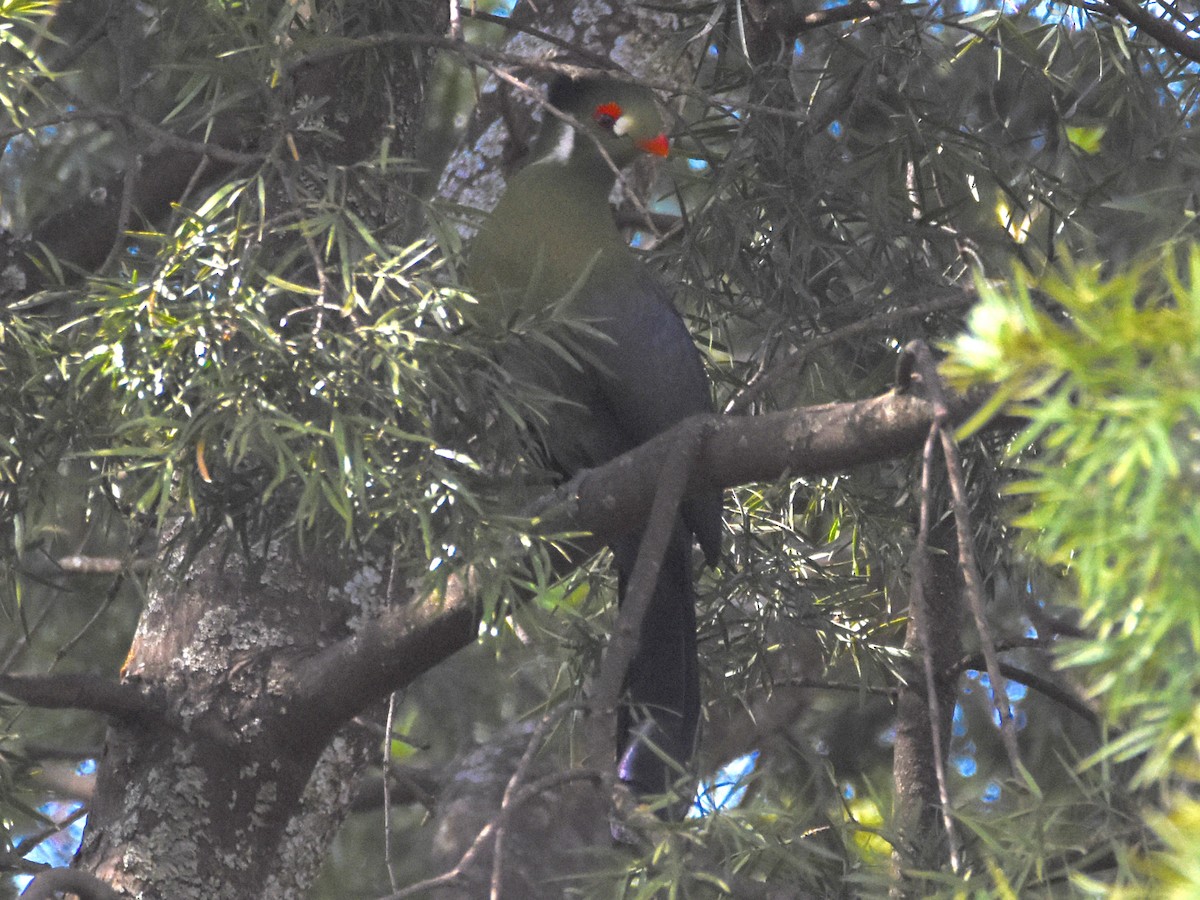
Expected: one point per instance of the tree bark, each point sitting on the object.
(223, 793)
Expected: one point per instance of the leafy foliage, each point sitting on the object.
(1105, 370)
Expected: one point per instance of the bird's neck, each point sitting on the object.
(585, 181)
(580, 157)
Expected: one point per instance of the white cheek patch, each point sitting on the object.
(622, 126)
(564, 146)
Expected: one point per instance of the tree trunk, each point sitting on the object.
(223, 792)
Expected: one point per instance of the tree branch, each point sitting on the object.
(386, 654)
(1034, 682)
(389, 652)
(1163, 32)
(111, 698)
(519, 775)
(925, 605)
(515, 801)
(615, 498)
(27, 844)
(406, 785)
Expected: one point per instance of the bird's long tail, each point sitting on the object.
(662, 708)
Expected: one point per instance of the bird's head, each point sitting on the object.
(620, 117)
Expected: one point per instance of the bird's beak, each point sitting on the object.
(659, 145)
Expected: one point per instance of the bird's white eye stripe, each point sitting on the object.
(622, 125)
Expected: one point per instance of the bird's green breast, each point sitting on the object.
(549, 233)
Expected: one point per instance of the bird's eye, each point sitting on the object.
(606, 114)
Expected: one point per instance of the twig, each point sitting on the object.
(83, 884)
(975, 660)
(510, 23)
(177, 213)
(313, 252)
(387, 793)
(136, 122)
(959, 297)
(26, 844)
(791, 24)
(128, 184)
(409, 785)
(109, 597)
(1035, 682)
(23, 642)
(83, 44)
(488, 58)
(133, 160)
(519, 799)
(518, 775)
(536, 95)
(847, 686)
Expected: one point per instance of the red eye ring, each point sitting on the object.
(606, 114)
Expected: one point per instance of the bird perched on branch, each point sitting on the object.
(632, 371)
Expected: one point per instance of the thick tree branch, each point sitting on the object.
(816, 440)
(389, 652)
(386, 654)
(123, 701)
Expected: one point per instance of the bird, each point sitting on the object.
(551, 244)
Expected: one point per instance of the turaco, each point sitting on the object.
(551, 241)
